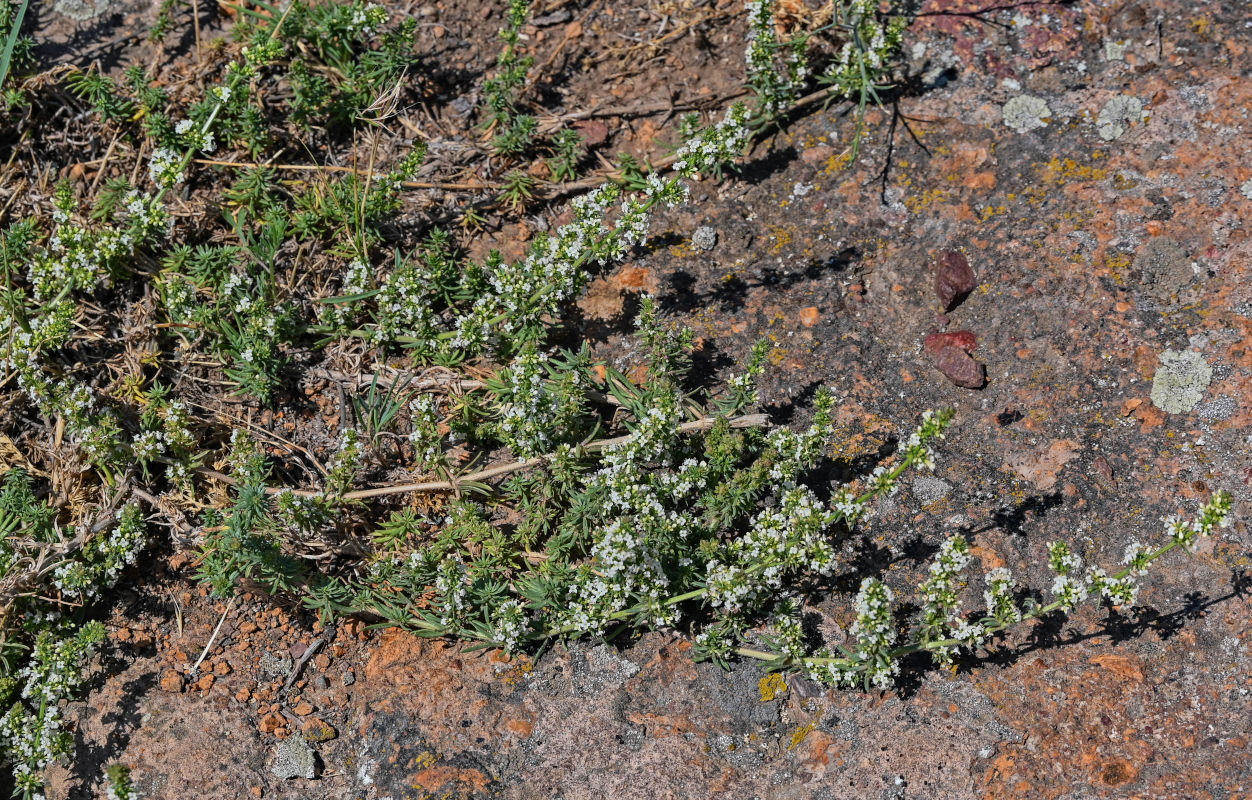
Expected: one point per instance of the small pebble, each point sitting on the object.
(954, 278)
(958, 367)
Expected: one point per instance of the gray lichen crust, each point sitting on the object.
(1180, 381)
(1119, 113)
(1026, 112)
(294, 758)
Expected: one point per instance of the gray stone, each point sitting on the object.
(1180, 381)
(294, 758)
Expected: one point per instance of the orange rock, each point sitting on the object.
(989, 558)
(522, 727)
(221, 668)
(395, 648)
(809, 316)
(171, 681)
(634, 278)
(205, 683)
(303, 708)
(1121, 666)
(272, 722)
(432, 779)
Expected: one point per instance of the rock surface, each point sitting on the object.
(1095, 254)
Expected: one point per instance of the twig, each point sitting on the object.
(205, 653)
(308, 654)
(746, 421)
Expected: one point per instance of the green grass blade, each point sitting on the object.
(14, 32)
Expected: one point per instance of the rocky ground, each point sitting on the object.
(1093, 163)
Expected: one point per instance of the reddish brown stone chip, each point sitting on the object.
(954, 278)
(962, 339)
(959, 368)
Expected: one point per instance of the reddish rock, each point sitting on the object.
(958, 367)
(935, 342)
(303, 708)
(954, 278)
(594, 132)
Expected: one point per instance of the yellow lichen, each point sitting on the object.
(771, 687)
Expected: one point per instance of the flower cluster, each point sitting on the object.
(998, 596)
(866, 55)
(875, 632)
(451, 592)
(425, 437)
(1214, 514)
(194, 137)
(356, 281)
(103, 557)
(78, 256)
(342, 468)
(527, 409)
(940, 613)
(301, 517)
(777, 71)
(779, 542)
(715, 146)
(32, 732)
(166, 167)
(1069, 590)
(510, 625)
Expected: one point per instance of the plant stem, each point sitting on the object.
(936, 644)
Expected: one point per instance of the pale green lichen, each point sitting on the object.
(1117, 115)
(294, 758)
(1180, 381)
(1026, 112)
